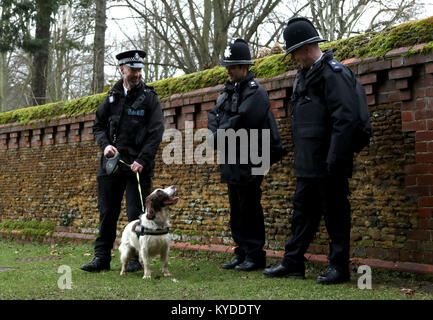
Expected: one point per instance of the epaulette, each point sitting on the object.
(111, 96)
(253, 84)
(335, 65)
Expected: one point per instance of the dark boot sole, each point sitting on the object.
(96, 270)
(326, 282)
(289, 276)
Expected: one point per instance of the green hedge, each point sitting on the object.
(372, 44)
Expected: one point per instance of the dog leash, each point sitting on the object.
(139, 185)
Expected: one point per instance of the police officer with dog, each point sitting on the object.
(323, 111)
(128, 128)
(243, 104)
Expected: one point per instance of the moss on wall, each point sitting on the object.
(372, 44)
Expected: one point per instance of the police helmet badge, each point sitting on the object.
(227, 52)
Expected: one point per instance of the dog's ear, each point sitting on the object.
(150, 213)
(154, 204)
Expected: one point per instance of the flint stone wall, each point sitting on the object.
(48, 170)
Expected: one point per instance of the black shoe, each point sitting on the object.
(232, 264)
(280, 271)
(98, 264)
(334, 275)
(250, 265)
(134, 265)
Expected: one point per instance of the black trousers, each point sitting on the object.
(110, 194)
(314, 198)
(247, 221)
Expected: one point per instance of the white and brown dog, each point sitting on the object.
(148, 236)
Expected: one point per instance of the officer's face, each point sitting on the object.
(301, 57)
(132, 76)
(237, 72)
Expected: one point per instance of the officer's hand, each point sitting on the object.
(135, 166)
(110, 151)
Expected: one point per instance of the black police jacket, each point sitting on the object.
(242, 105)
(323, 114)
(132, 123)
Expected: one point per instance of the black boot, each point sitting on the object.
(98, 264)
(248, 265)
(232, 264)
(134, 265)
(290, 271)
(334, 275)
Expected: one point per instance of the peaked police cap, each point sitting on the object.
(132, 58)
(298, 32)
(237, 52)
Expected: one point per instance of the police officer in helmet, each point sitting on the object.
(323, 113)
(129, 127)
(243, 104)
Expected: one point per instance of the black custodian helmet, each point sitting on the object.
(237, 52)
(132, 58)
(298, 32)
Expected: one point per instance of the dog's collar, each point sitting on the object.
(141, 230)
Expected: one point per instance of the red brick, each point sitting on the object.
(424, 157)
(350, 61)
(414, 125)
(430, 147)
(421, 147)
(424, 180)
(188, 109)
(400, 73)
(429, 68)
(401, 84)
(418, 190)
(407, 116)
(425, 223)
(176, 103)
(419, 235)
(371, 100)
(425, 212)
(424, 136)
(425, 201)
(276, 104)
(379, 65)
(398, 62)
(410, 180)
(397, 52)
(368, 89)
(207, 105)
(429, 124)
(196, 99)
(368, 78)
(423, 114)
(418, 168)
(278, 94)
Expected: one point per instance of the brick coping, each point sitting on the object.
(411, 267)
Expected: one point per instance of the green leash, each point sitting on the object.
(139, 186)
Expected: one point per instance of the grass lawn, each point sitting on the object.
(33, 274)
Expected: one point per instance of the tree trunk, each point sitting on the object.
(99, 47)
(40, 55)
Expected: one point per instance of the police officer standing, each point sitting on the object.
(323, 114)
(129, 127)
(243, 104)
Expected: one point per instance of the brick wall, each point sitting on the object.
(49, 169)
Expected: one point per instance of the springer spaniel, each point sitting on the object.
(148, 236)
